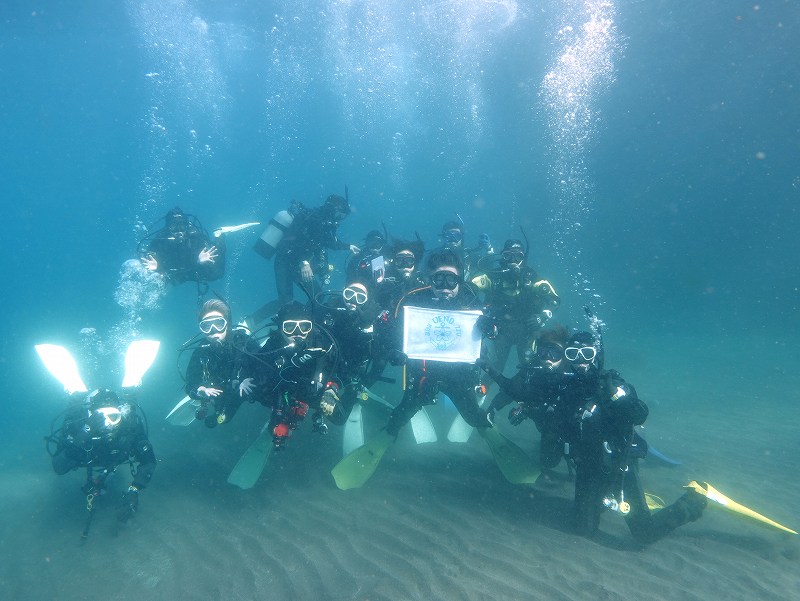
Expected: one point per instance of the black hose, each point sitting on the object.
(527, 242)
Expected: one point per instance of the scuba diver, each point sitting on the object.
(183, 251)
(480, 251)
(594, 412)
(402, 273)
(355, 321)
(222, 371)
(538, 387)
(292, 357)
(301, 252)
(424, 378)
(608, 449)
(369, 262)
(516, 298)
(99, 432)
(452, 238)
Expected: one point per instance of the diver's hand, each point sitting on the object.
(328, 401)
(518, 415)
(397, 357)
(207, 255)
(150, 263)
(130, 504)
(354, 249)
(246, 386)
(306, 273)
(208, 392)
(487, 325)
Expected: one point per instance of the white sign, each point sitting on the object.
(441, 335)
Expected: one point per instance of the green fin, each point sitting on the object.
(356, 468)
(248, 469)
(515, 465)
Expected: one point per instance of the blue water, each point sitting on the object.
(670, 203)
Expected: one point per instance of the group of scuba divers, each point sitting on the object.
(320, 360)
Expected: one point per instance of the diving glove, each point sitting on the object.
(328, 401)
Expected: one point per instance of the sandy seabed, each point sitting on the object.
(436, 521)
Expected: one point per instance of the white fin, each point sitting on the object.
(423, 428)
(183, 413)
(353, 431)
(421, 423)
(460, 430)
(60, 363)
(233, 228)
(138, 359)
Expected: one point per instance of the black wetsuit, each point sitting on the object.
(293, 381)
(223, 366)
(543, 398)
(394, 287)
(312, 233)
(177, 255)
(591, 420)
(607, 454)
(85, 441)
(361, 352)
(424, 379)
(359, 267)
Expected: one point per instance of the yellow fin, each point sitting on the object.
(654, 502)
(712, 494)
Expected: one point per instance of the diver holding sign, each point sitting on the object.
(442, 340)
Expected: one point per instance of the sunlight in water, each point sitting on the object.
(189, 96)
(388, 59)
(570, 91)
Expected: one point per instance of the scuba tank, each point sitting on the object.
(267, 244)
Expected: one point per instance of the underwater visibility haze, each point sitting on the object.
(647, 149)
